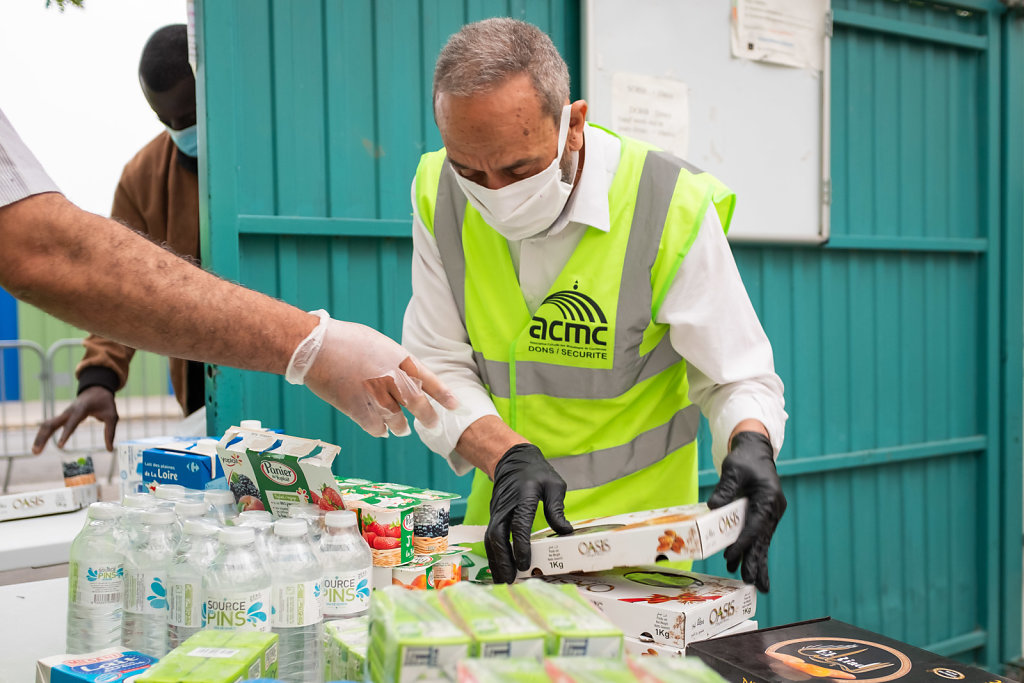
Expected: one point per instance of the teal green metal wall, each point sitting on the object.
(899, 341)
(316, 115)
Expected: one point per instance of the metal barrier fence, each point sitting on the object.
(47, 386)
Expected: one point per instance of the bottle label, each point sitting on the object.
(346, 593)
(296, 604)
(184, 599)
(96, 586)
(243, 610)
(144, 593)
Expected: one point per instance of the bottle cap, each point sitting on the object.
(104, 511)
(291, 528)
(304, 510)
(219, 497)
(187, 509)
(169, 492)
(237, 535)
(158, 516)
(200, 527)
(138, 500)
(256, 515)
(340, 518)
(251, 424)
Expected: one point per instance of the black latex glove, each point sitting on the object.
(749, 470)
(522, 478)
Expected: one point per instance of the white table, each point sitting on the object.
(33, 624)
(38, 541)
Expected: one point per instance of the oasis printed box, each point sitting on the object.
(684, 532)
(668, 606)
(47, 502)
(827, 649)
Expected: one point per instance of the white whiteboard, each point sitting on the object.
(761, 129)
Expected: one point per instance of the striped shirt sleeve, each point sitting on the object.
(21, 174)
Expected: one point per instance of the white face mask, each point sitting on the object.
(527, 206)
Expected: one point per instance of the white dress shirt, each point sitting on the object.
(712, 323)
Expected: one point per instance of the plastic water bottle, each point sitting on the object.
(130, 522)
(95, 585)
(189, 509)
(297, 617)
(222, 505)
(348, 567)
(191, 560)
(260, 521)
(313, 516)
(168, 494)
(144, 621)
(237, 586)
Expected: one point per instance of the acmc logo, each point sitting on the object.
(583, 321)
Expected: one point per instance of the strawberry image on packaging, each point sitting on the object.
(386, 522)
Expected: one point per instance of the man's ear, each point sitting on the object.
(577, 119)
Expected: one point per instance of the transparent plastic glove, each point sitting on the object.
(749, 471)
(522, 479)
(366, 375)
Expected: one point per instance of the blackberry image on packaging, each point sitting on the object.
(242, 485)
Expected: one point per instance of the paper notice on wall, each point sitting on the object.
(788, 32)
(652, 109)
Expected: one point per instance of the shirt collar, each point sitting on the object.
(588, 204)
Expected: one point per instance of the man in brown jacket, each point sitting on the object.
(158, 195)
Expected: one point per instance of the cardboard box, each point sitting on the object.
(129, 458)
(498, 630)
(685, 532)
(217, 657)
(272, 472)
(828, 649)
(574, 627)
(193, 466)
(346, 644)
(646, 647)
(46, 502)
(663, 604)
(502, 671)
(411, 639)
(111, 664)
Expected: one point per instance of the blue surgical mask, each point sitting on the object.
(187, 140)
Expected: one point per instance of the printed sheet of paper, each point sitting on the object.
(652, 109)
(788, 32)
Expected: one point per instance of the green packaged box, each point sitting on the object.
(574, 627)
(386, 523)
(217, 657)
(589, 670)
(411, 639)
(502, 671)
(346, 641)
(498, 630)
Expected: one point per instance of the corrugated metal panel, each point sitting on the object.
(317, 113)
(884, 340)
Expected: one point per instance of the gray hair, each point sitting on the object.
(485, 53)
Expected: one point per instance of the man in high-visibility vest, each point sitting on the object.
(575, 290)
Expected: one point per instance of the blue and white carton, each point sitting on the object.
(190, 465)
(129, 458)
(106, 666)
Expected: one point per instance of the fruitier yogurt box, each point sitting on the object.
(685, 532)
(430, 572)
(268, 471)
(670, 606)
(430, 516)
(498, 630)
(106, 666)
(385, 521)
(574, 627)
(217, 657)
(411, 639)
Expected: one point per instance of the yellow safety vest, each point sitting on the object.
(589, 378)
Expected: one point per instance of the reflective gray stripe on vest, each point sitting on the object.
(654, 197)
(596, 468)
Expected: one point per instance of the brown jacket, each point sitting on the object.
(158, 196)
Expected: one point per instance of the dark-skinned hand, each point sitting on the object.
(94, 401)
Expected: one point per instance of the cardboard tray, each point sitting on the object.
(829, 650)
(685, 532)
